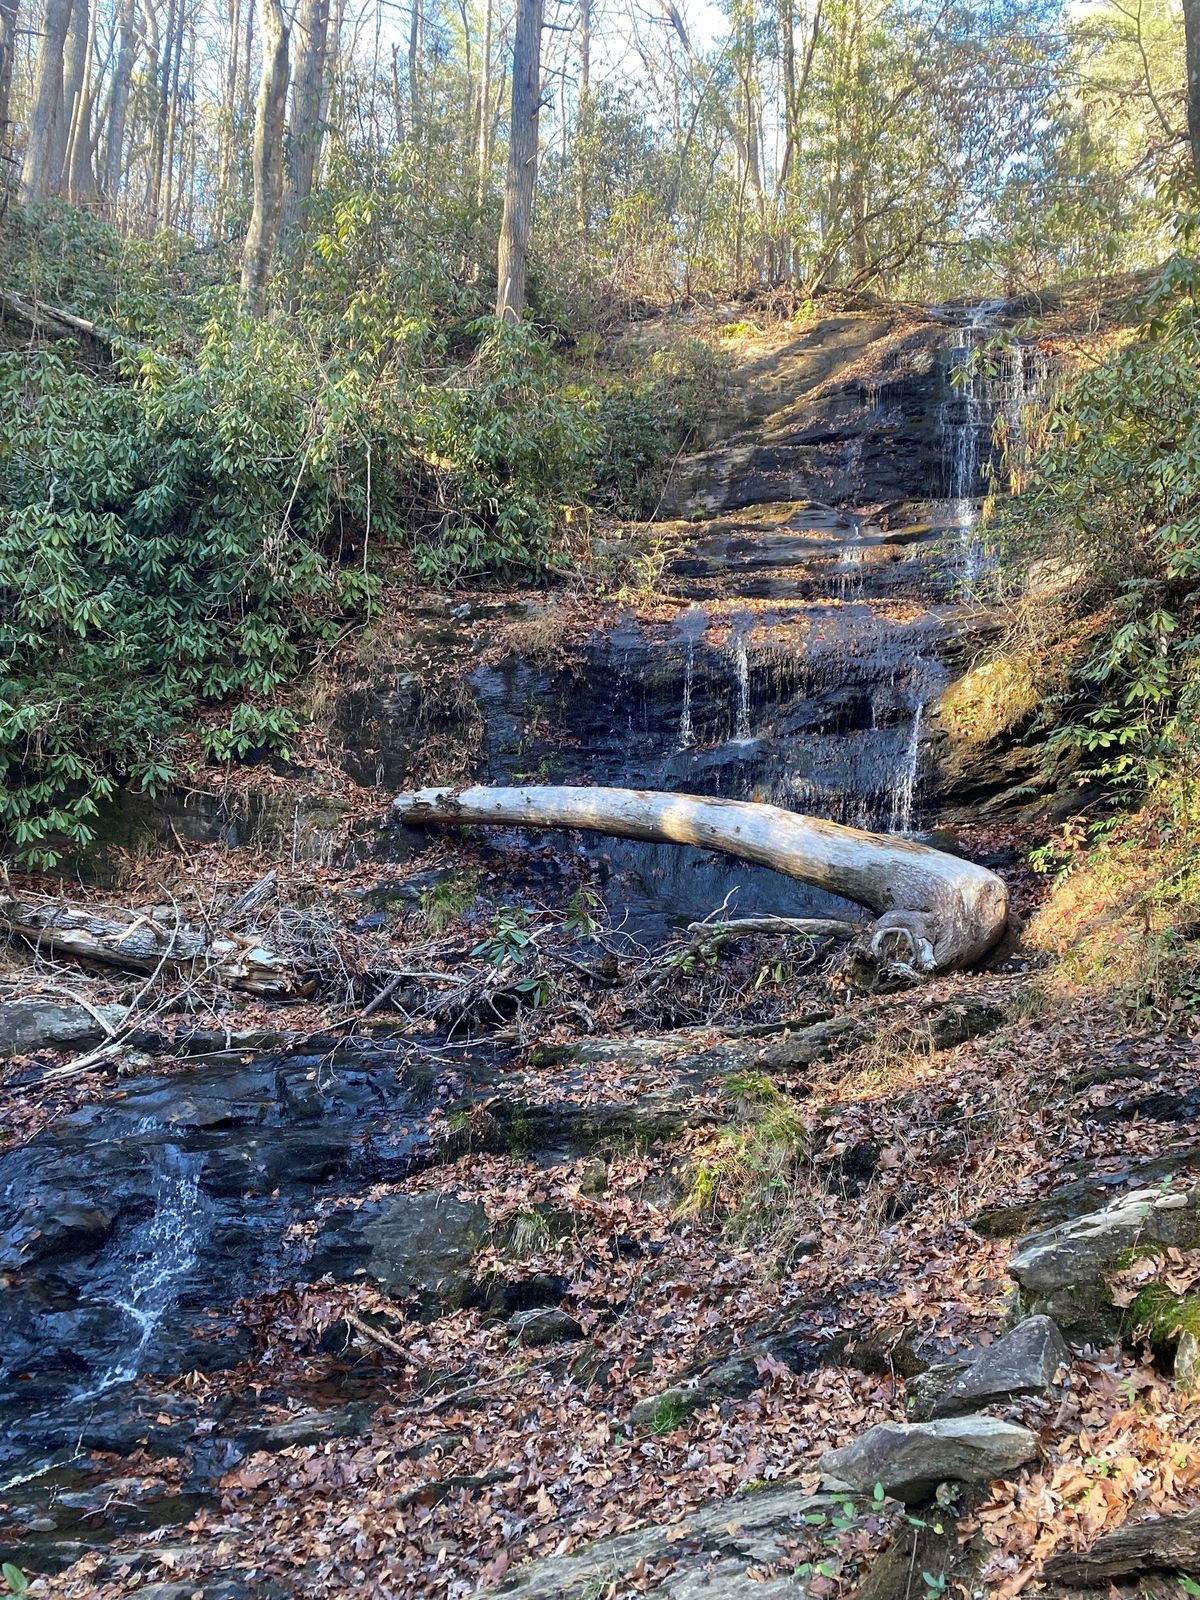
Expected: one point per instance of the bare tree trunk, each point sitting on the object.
(304, 132)
(934, 912)
(74, 71)
(414, 49)
(8, 52)
(263, 234)
(79, 173)
(1191, 32)
(161, 73)
(483, 140)
(582, 198)
(170, 186)
(118, 108)
(46, 112)
(512, 260)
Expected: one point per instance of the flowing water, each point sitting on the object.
(988, 379)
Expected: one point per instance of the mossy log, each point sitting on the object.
(137, 942)
(933, 912)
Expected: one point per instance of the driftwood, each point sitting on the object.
(138, 943)
(934, 912)
(1170, 1544)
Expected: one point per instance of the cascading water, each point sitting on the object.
(149, 1266)
(741, 667)
(977, 393)
(904, 791)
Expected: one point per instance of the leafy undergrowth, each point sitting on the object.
(1123, 916)
(485, 1455)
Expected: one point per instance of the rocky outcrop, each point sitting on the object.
(910, 1459)
(1065, 1271)
(707, 1553)
(1031, 1360)
(412, 1246)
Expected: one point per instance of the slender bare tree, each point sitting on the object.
(262, 237)
(1191, 31)
(8, 53)
(520, 184)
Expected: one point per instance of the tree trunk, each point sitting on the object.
(138, 943)
(46, 112)
(263, 234)
(74, 87)
(118, 109)
(8, 52)
(1191, 33)
(174, 111)
(512, 259)
(304, 133)
(80, 174)
(162, 55)
(414, 47)
(934, 912)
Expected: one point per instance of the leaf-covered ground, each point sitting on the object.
(484, 1454)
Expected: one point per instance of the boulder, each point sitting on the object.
(545, 1326)
(910, 1459)
(409, 1245)
(1064, 1271)
(1029, 1360)
(29, 1025)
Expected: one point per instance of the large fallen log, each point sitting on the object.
(138, 942)
(934, 912)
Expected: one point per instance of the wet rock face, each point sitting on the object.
(125, 1224)
(1064, 1271)
(910, 1459)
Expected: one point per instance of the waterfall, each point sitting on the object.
(850, 571)
(904, 790)
(975, 398)
(741, 667)
(153, 1261)
(687, 734)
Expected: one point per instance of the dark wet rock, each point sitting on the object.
(1065, 1271)
(307, 1428)
(409, 1245)
(1031, 1360)
(910, 1459)
(53, 1519)
(174, 1194)
(547, 1326)
(706, 1553)
(507, 1297)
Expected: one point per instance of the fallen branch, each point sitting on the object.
(1159, 1544)
(934, 912)
(136, 942)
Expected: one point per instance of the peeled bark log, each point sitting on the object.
(138, 943)
(934, 912)
(1170, 1544)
